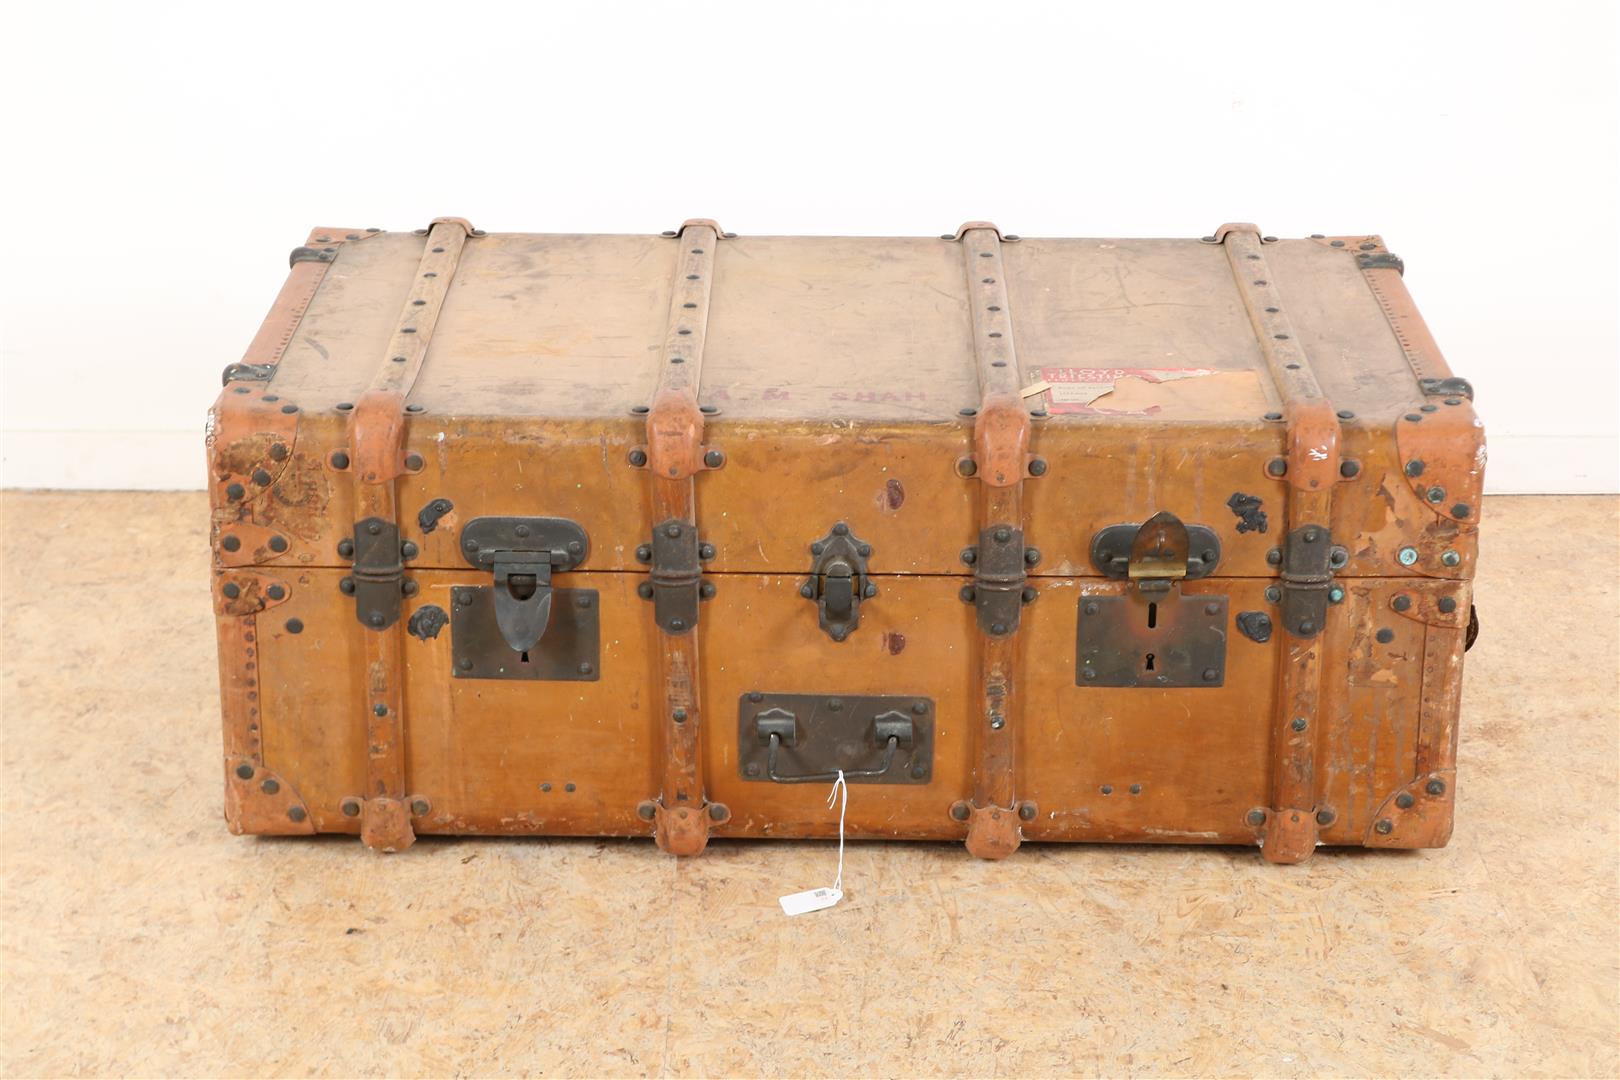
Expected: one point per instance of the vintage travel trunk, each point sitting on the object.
(1106, 540)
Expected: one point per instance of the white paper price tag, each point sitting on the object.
(813, 900)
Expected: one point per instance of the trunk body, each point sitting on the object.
(1113, 540)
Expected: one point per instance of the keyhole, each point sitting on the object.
(1153, 618)
(526, 657)
(1149, 662)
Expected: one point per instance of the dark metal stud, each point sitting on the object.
(1032, 556)
(1437, 494)
(1435, 786)
(270, 785)
(345, 548)
(379, 709)
(230, 543)
(1273, 416)
(413, 461)
(349, 807)
(587, 668)
(1037, 467)
(279, 452)
(1299, 723)
(275, 592)
(1026, 811)
(245, 771)
(346, 586)
(231, 590)
(1447, 605)
(966, 593)
(409, 588)
(1405, 800)
(295, 626)
(718, 812)
(645, 590)
(1346, 414)
(1384, 827)
(414, 408)
(1349, 468)
(959, 811)
(1461, 510)
(234, 491)
(646, 810)
(1274, 556)
(1385, 635)
(1277, 467)
(289, 410)
(1326, 817)
(278, 544)
(420, 807)
(638, 457)
(1273, 594)
(1401, 602)
(1255, 818)
(967, 467)
(340, 460)
(296, 813)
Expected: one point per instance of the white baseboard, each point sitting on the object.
(173, 461)
(104, 460)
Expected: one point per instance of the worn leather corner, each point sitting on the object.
(259, 802)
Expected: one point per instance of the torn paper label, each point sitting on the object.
(1076, 390)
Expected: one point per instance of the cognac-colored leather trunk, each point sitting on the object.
(1108, 540)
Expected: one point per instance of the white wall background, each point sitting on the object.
(161, 159)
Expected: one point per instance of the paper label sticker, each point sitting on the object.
(812, 900)
(1074, 390)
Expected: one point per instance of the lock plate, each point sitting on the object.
(1163, 640)
(569, 651)
(818, 734)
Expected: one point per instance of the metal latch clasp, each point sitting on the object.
(522, 553)
(838, 581)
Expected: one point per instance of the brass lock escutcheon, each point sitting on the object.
(1154, 635)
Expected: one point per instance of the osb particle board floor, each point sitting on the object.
(139, 937)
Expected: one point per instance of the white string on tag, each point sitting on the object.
(817, 899)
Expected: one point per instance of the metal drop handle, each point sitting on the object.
(825, 777)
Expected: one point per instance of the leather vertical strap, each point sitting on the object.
(377, 441)
(674, 454)
(1000, 461)
(1287, 829)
